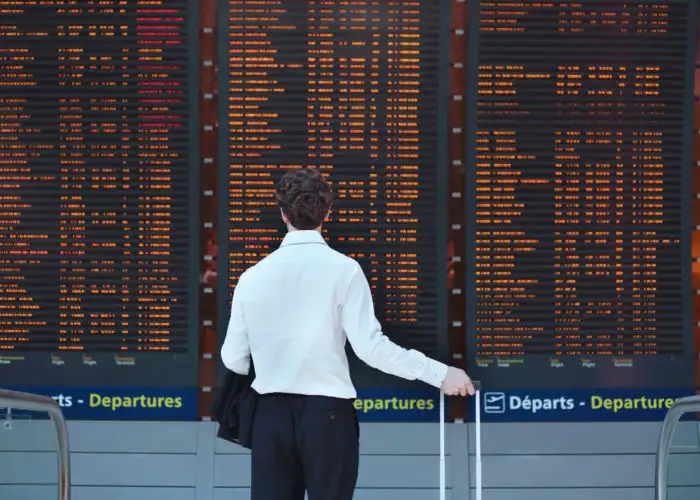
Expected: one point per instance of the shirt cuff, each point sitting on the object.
(434, 373)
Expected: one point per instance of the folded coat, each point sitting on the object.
(234, 406)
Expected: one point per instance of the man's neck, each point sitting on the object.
(291, 229)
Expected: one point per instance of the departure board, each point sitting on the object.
(353, 88)
(579, 178)
(97, 192)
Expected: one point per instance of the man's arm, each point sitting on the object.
(235, 353)
(373, 347)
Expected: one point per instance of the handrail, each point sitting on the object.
(33, 402)
(679, 408)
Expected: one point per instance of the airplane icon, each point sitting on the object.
(494, 402)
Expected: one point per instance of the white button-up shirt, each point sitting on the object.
(294, 311)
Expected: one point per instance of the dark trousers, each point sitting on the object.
(304, 444)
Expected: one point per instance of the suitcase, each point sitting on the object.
(477, 439)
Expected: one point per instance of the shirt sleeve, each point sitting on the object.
(373, 347)
(235, 353)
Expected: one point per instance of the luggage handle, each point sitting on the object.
(477, 439)
(477, 410)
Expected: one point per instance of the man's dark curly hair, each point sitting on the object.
(304, 197)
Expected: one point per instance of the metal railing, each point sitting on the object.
(32, 402)
(679, 408)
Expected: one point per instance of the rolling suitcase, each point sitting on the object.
(477, 439)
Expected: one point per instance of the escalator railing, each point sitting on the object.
(681, 407)
(32, 402)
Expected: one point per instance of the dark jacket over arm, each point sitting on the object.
(234, 406)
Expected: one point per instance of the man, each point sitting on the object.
(294, 311)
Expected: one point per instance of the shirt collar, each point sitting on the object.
(303, 237)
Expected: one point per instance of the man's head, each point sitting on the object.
(304, 198)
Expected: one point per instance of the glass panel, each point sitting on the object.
(28, 456)
(684, 462)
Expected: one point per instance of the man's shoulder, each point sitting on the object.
(340, 259)
(249, 273)
(257, 267)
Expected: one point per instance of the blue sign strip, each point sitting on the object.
(137, 403)
(122, 403)
(569, 405)
(398, 405)
(385, 405)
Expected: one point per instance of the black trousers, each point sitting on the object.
(304, 444)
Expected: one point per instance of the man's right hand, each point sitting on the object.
(457, 382)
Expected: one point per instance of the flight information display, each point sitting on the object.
(353, 88)
(579, 178)
(97, 190)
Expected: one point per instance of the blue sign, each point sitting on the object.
(570, 405)
(122, 403)
(398, 405)
(134, 403)
(385, 405)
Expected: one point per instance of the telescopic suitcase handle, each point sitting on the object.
(477, 437)
(443, 482)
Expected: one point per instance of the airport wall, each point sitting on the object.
(185, 461)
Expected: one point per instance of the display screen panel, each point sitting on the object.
(98, 203)
(352, 88)
(579, 194)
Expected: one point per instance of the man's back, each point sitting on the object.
(293, 312)
(291, 304)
